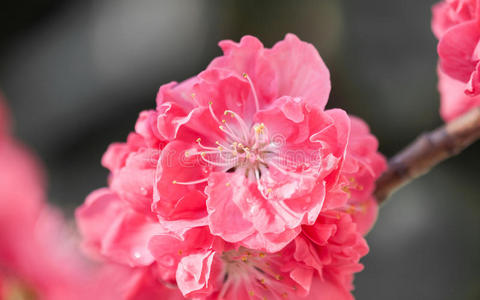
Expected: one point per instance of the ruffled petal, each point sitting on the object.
(197, 274)
(178, 201)
(457, 51)
(291, 68)
(111, 229)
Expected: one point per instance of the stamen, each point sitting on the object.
(217, 164)
(190, 182)
(241, 122)
(212, 113)
(229, 132)
(205, 147)
(257, 105)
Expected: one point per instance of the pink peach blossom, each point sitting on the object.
(318, 264)
(235, 135)
(239, 159)
(457, 25)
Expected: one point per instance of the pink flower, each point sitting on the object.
(37, 253)
(227, 135)
(239, 159)
(260, 140)
(318, 264)
(457, 25)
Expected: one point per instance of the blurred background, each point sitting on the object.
(77, 73)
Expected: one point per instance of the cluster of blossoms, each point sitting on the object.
(239, 185)
(456, 24)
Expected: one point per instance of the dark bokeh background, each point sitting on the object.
(76, 74)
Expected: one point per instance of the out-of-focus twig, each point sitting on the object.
(428, 150)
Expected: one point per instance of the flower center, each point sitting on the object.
(244, 148)
(259, 273)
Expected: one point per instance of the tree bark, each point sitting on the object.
(428, 150)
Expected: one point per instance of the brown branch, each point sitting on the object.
(427, 151)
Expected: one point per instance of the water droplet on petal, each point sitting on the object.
(254, 209)
(168, 261)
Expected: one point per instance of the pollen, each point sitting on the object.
(180, 252)
(351, 209)
(346, 189)
(227, 184)
(261, 254)
(244, 75)
(259, 128)
(199, 140)
(174, 182)
(210, 102)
